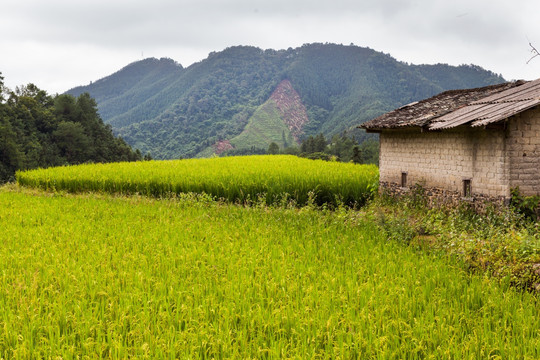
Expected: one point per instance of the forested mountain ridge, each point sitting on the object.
(136, 83)
(170, 111)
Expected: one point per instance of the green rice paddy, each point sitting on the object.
(178, 275)
(276, 179)
(95, 276)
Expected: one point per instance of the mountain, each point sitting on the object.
(244, 97)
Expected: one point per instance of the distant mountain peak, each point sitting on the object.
(252, 97)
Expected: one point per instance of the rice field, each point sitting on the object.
(274, 179)
(97, 276)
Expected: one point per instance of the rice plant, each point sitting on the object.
(236, 179)
(96, 276)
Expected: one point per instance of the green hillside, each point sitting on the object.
(123, 92)
(264, 127)
(170, 111)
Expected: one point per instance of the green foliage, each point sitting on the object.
(121, 94)
(95, 276)
(314, 144)
(265, 126)
(11, 156)
(528, 206)
(172, 112)
(38, 130)
(72, 141)
(317, 156)
(245, 151)
(496, 241)
(397, 229)
(368, 152)
(236, 179)
(341, 148)
(273, 148)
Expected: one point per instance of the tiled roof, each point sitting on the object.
(493, 108)
(480, 106)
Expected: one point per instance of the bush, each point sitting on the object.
(527, 206)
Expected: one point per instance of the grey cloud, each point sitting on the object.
(458, 31)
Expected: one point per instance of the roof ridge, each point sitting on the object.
(501, 101)
(457, 107)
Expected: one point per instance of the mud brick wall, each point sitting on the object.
(444, 159)
(523, 142)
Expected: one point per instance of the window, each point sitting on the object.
(403, 179)
(467, 188)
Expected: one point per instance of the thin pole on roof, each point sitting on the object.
(534, 51)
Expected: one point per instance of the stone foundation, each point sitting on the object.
(437, 198)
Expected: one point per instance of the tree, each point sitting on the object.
(283, 139)
(66, 108)
(319, 143)
(357, 155)
(369, 151)
(273, 149)
(307, 145)
(313, 144)
(10, 154)
(39, 130)
(342, 147)
(72, 142)
(1, 88)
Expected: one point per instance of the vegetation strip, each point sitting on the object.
(93, 277)
(501, 242)
(40, 130)
(279, 178)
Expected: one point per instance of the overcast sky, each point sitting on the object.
(59, 44)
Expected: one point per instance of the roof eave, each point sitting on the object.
(395, 128)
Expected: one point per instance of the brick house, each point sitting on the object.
(474, 143)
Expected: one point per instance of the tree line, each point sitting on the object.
(340, 147)
(40, 130)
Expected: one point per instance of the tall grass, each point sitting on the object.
(104, 277)
(236, 179)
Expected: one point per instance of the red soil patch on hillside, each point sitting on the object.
(222, 146)
(291, 107)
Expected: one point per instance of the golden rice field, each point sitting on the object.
(279, 178)
(95, 275)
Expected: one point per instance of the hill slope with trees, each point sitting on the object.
(39, 130)
(170, 111)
